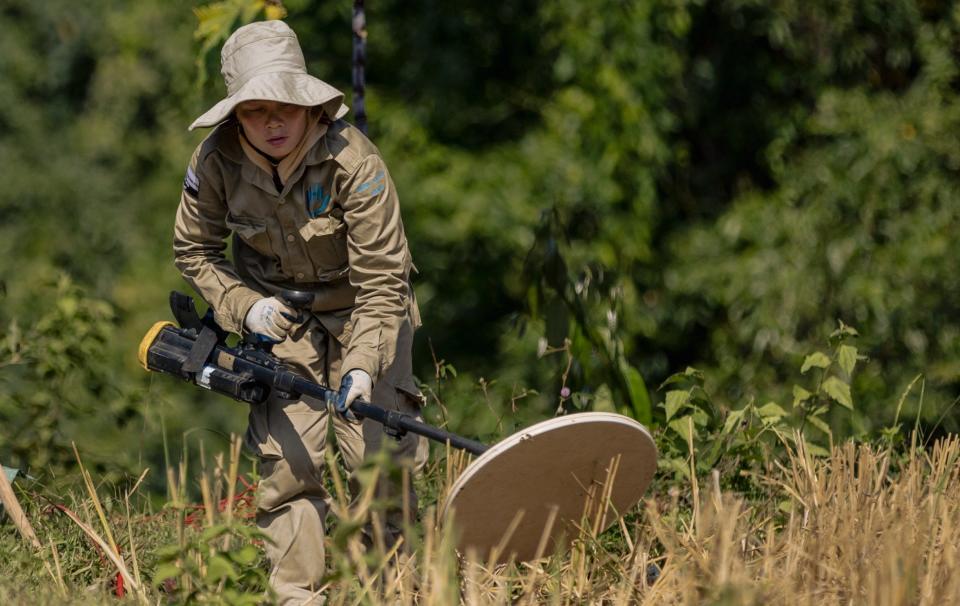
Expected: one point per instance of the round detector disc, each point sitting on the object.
(505, 498)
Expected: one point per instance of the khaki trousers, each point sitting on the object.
(289, 437)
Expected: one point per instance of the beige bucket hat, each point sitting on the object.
(263, 60)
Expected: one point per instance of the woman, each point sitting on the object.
(311, 207)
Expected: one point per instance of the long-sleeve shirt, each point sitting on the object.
(333, 229)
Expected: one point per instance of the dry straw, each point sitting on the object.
(863, 526)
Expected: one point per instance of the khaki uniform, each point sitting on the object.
(334, 230)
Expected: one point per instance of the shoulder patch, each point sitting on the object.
(375, 185)
(191, 183)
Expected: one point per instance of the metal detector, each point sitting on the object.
(518, 499)
(529, 492)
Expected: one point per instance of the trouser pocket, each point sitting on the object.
(296, 429)
(358, 441)
(258, 438)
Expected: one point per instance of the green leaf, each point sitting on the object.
(839, 391)
(800, 395)
(220, 567)
(818, 359)
(689, 373)
(700, 417)
(847, 355)
(708, 460)
(235, 598)
(676, 399)
(245, 556)
(771, 411)
(817, 450)
(250, 9)
(639, 397)
(272, 11)
(677, 465)
(819, 424)
(603, 400)
(165, 571)
(733, 420)
(168, 552)
(699, 394)
(215, 22)
(213, 532)
(683, 426)
(844, 331)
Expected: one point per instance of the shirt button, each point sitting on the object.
(282, 200)
(289, 237)
(299, 275)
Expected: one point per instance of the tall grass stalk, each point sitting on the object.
(864, 525)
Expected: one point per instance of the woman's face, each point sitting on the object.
(273, 128)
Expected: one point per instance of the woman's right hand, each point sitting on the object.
(270, 319)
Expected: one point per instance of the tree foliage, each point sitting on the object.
(624, 188)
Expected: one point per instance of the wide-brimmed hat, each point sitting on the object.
(263, 60)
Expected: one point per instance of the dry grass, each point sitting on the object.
(864, 526)
(858, 532)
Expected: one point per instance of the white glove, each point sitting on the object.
(356, 384)
(270, 319)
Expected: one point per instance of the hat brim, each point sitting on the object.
(284, 87)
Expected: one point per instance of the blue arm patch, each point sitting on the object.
(376, 185)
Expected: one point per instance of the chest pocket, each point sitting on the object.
(326, 239)
(252, 231)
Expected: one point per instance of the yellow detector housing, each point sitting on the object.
(148, 340)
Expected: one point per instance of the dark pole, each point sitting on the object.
(171, 348)
(290, 381)
(389, 418)
(359, 62)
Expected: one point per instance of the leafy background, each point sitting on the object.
(597, 194)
